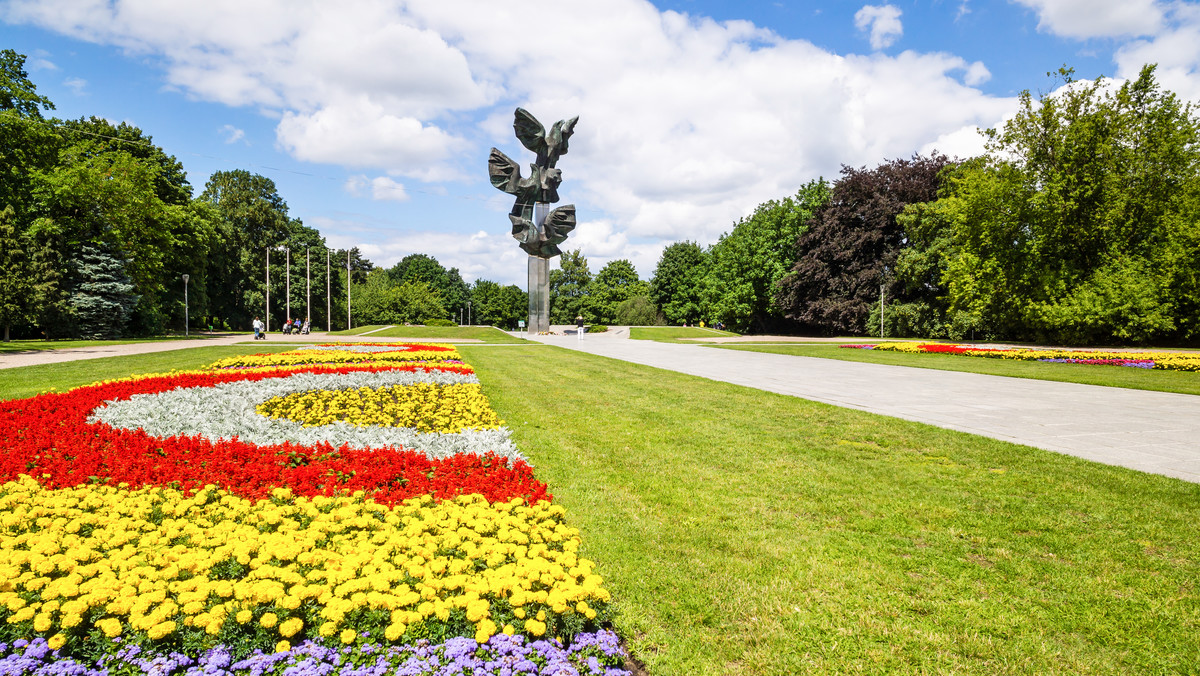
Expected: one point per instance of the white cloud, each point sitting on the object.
(685, 123)
(380, 187)
(977, 74)
(1097, 18)
(360, 133)
(1175, 49)
(883, 23)
(76, 85)
(231, 133)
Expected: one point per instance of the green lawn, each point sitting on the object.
(486, 334)
(1087, 374)
(28, 345)
(675, 334)
(27, 381)
(744, 532)
(357, 331)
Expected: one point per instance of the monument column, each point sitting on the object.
(537, 227)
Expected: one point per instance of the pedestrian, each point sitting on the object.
(258, 329)
(579, 326)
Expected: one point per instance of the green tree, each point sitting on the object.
(1069, 232)
(747, 263)
(569, 285)
(616, 283)
(678, 283)
(253, 218)
(639, 311)
(15, 275)
(499, 306)
(852, 243)
(102, 295)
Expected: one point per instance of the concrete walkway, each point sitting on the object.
(1148, 431)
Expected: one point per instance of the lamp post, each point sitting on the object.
(328, 295)
(347, 289)
(287, 275)
(468, 313)
(307, 286)
(268, 315)
(185, 307)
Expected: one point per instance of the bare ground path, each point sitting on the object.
(1156, 432)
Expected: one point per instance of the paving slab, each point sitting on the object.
(1157, 432)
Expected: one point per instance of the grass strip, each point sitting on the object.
(40, 345)
(1180, 382)
(675, 334)
(745, 532)
(487, 334)
(26, 381)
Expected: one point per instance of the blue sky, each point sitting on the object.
(374, 118)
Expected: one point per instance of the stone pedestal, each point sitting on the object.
(539, 295)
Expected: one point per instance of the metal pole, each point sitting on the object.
(268, 324)
(185, 307)
(881, 310)
(288, 287)
(347, 289)
(307, 287)
(468, 314)
(328, 297)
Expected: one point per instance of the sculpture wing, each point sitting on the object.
(561, 132)
(530, 132)
(503, 172)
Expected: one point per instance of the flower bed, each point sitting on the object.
(125, 548)
(1169, 361)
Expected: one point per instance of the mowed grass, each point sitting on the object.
(675, 334)
(487, 334)
(1088, 374)
(358, 330)
(39, 345)
(744, 532)
(26, 381)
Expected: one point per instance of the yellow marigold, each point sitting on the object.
(347, 636)
(291, 627)
(283, 647)
(269, 620)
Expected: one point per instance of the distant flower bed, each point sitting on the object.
(161, 524)
(1169, 361)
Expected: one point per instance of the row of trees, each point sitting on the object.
(419, 289)
(1080, 224)
(98, 226)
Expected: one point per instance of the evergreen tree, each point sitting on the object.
(102, 296)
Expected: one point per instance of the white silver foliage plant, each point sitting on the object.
(227, 410)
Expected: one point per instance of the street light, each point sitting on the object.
(185, 307)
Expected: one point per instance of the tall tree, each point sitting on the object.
(102, 295)
(616, 283)
(678, 282)
(15, 274)
(747, 263)
(569, 286)
(254, 218)
(1068, 233)
(851, 247)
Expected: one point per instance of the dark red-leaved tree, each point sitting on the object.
(852, 241)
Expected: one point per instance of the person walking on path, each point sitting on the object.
(258, 328)
(579, 326)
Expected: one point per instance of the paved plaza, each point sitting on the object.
(1148, 431)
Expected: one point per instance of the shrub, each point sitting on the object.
(437, 322)
(597, 328)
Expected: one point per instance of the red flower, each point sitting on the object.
(49, 439)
